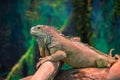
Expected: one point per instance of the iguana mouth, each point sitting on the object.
(33, 32)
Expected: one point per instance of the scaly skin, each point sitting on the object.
(72, 52)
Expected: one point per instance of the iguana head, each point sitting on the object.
(38, 31)
(44, 35)
(43, 31)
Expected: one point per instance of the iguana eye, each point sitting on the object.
(38, 27)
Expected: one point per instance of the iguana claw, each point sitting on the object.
(42, 60)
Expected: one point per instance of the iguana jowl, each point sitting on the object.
(56, 47)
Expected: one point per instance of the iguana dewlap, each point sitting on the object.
(72, 52)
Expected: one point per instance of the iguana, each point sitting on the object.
(54, 46)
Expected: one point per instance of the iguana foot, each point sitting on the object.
(42, 60)
(57, 56)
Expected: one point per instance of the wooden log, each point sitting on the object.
(78, 74)
(112, 73)
(47, 71)
(26, 78)
(83, 74)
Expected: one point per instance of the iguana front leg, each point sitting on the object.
(57, 56)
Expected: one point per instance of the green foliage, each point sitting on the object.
(54, 13)
(101, 23)
(117, 7)
(81, 19)
(66, 67)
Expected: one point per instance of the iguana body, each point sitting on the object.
(74, 53)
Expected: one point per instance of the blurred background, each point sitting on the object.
(97, 22)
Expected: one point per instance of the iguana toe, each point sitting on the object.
(42, 60)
